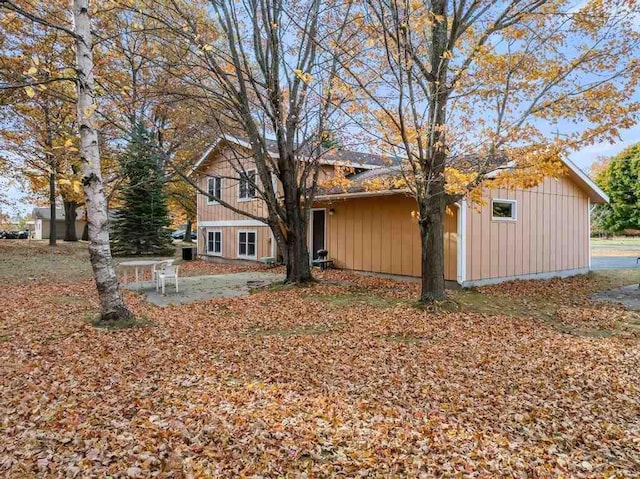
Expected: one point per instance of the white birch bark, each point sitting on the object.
(112, 306)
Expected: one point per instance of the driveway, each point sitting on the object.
(614, 262)
(199, 288)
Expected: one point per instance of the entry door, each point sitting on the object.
(317, 231)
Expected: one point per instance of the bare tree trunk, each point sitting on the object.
(432, 236)
(297, 254)
(112, 306)
(53, 231)
(187, 232)
(70, 214)
(432, 201)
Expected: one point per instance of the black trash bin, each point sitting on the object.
(189, 253)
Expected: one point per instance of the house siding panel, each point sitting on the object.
(549, 235)
(230, 241)
(382, 236)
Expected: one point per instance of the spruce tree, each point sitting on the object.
(140, 225)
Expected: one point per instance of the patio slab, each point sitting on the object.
(629, 296)
(199, 288)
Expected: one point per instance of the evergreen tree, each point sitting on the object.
(140, 225)
(620, 179)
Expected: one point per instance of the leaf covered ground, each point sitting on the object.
(344, 378)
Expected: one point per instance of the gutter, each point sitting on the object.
(360, 194)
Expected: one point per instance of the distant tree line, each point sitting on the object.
(619, 177)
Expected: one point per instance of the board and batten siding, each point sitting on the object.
(379, 234)
(223, 165)
(550, 234)
(230, 241)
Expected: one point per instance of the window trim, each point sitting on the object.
(209, 200)
(514, 210)
(240, 256)
(247, 173)
(213, 253)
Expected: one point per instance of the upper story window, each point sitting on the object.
(247, 185)
(214, 188)
(503, 210)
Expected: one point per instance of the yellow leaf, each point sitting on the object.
(32, 71)
(30, 91)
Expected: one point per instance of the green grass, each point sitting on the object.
(615, 246)
(472, 300)
(614, 278)
(23, 261)
(624, 241)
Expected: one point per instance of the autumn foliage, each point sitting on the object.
(342, 378)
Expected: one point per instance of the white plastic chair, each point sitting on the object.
(154, 271)
(166, 270)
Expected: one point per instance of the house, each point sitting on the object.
(538, 232)
(42, 223)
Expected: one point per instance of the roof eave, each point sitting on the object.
(237, 141)
(360, 194)
(595, 192)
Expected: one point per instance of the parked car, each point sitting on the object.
(179, 235)
(11, 234)
(23, 235)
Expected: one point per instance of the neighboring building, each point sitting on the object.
(42, 223)
(523, 233)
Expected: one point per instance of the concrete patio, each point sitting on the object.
(199, 288)
(629, 296)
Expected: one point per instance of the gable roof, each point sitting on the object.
(596, 195)
(333, 157)
(358, 183)
(45, 213)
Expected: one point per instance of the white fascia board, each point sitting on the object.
(231, 139)
(231, 223)
(588, 181)
(348, 164)
(245, 144)
(359, 194)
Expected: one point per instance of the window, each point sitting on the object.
(503, 210)
(246, 244)
(214, 243)
(247, 185)
(214, 188)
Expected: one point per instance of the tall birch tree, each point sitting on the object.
(112, 307)
(111, 303)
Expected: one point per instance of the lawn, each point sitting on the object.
(346, 377)
(618, 246)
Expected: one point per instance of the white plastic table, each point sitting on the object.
(137, 265)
